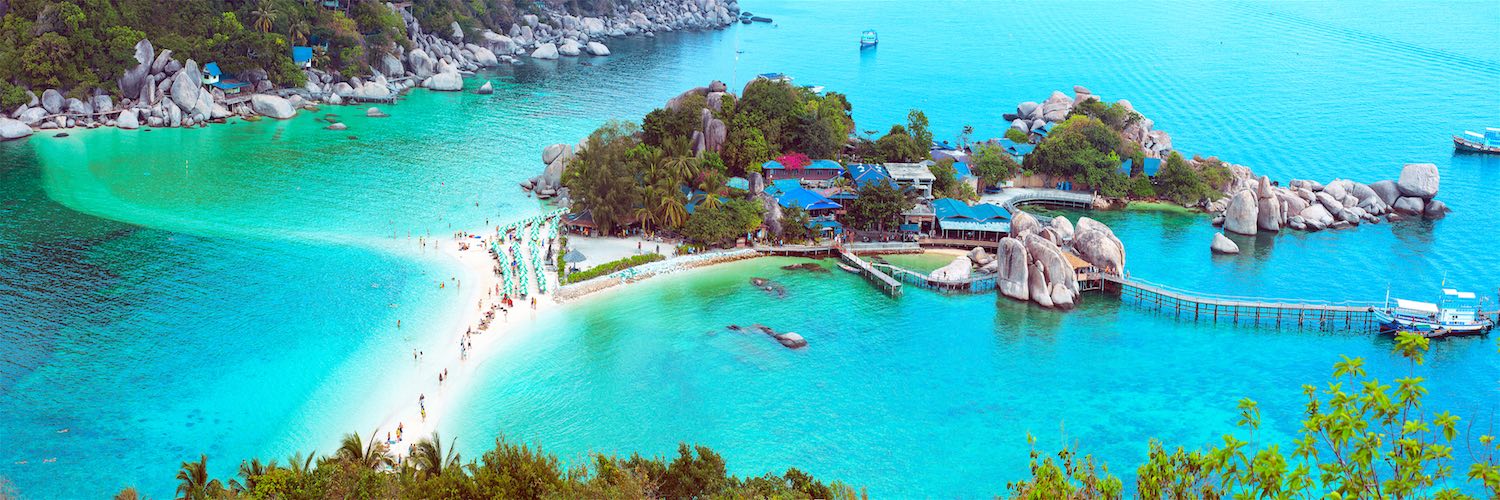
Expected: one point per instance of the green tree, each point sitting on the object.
(916, 123)
(899, 146)
(1017, 136)
(371, 455)
(602, 177)
(879, 206)
(993, 165)
(193, 482)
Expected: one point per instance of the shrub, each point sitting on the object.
(613, 266)
(1017, 135)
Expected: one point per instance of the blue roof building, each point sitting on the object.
(1149, 167)
(962, 169)
(865, 173)
(302, 56)
(806, 200)
(739, 183)
(958, 220)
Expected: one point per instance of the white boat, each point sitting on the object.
(868, 39)
(1456, 313)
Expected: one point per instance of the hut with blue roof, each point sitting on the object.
(1148, 167)
(818, 170)
(960, 223)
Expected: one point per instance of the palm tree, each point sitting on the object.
(193, 482)
(298, 31)
(429, 458)
(251, 472)
(672, 212)
(301, 466)
(682, 167)
(711, 185)
(370, 455)
(264, 16)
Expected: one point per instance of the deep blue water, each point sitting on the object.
(242, 309)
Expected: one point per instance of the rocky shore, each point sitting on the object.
(161, 90)
(1032, 117)
(1260, 205)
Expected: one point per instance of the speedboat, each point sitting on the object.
(1456, 313)
(1475, 142)
(868, 39)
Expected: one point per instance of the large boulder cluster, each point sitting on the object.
(549, 183)
(1030, 265)
(556, 33)
(1258, 205)
(160, 90)
(1031, 117)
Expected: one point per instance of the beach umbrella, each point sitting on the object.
(573, 257)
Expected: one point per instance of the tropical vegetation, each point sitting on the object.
(611, 267)
(78, 46)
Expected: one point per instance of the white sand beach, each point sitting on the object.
(477, 287)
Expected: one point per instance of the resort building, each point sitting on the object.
(212, 75)
(915, 176)
(821, 211)
(865, 173)
(959, 223)
(919, 219)
(818, 170)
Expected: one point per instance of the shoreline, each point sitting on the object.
(476, 267)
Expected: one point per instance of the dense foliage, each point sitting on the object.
(611, 267)
(1086, 150)
(361, 469)
(78, 46)
(946, 183)
(992, 164)
(1361, 438)
(723, 222)
(1183, 183)
(878, 207)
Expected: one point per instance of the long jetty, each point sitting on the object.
(1262, 312)
(875, 276)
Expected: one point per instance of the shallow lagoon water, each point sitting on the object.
(177, 292)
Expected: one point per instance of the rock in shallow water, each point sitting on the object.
(1223, 245)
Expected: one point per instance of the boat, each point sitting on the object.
(1456, 313)
(1474, 142)
(868, 39)
(775, 77)
(849, 268)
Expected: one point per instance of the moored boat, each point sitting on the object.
(849, 268)
(868, 39)
(1456, 313)
(1474, 142)
(775, 77)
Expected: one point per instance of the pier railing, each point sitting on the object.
(876, 277)
(973, 284)
(1298, 313)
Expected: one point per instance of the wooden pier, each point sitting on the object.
(876, 277)
(975, 284)
(1277, 313)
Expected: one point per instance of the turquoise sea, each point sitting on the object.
(234, 290)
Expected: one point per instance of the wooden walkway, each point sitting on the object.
(875, 276)
(1011, 198)
(974, 284)
(1277, 313)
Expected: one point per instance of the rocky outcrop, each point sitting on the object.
(13, 129)
(957, 270)
(1243, 214)
(272, 106)
(1031, 117)
(1012, 275)
(485, 89)
(128, 120)
(1418, 180)
(1342, 203)
(1022, 223)
(1096, 244)
(545, 51)
(1223, 245)
(447, 79)
(597, 49)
